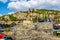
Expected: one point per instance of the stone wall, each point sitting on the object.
(39, 31)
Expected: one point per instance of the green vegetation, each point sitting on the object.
(36, 19)
(7, 29)
(45, 13)
(12, 18)
(58, 21)
(2, 18)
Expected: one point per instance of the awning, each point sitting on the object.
(58, 31)
(55, 30)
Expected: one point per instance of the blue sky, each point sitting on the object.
(11, 6)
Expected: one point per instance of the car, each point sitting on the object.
(12, 25)
(46, 20)
(56, 26)
(1, 30)
(1, 36)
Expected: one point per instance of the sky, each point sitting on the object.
(12, 6)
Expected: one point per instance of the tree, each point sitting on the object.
(34, 19)
(12, 18)
(57, 21)
(2, 18)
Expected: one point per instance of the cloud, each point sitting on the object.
(1, 15)
(24, 5)
(18, 0)
(11, 13)
(4, 1)
(13, 0)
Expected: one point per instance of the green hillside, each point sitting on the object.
(55, 14)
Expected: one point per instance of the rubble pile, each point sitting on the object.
(32, 31)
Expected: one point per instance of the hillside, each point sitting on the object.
(32, 14)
